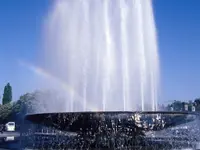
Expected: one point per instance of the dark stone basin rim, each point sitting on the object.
(117, 112)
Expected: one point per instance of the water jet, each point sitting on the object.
(106, 51)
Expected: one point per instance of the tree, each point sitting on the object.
(177, 105)
(197, 104)
(190, 105)
(5, 113)
(7, 95)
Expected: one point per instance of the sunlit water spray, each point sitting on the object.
(106, 51)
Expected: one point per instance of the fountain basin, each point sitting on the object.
(85, 121)
(111, 129)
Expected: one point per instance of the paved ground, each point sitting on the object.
(12, 144)
(7, 134)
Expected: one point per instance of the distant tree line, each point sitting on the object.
(27, 103)
(178, 105)
(15, 110)
(38, 101)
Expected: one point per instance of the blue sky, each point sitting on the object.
(178, 25)
(20, 37)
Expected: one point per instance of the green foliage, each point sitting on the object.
(7, 95)
(29, 103)
(5, 112)
(190, 104)
(197, 104)
(26, 102)
(16, 110)
(177, 105)
(180, 106)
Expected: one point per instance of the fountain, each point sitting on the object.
(105, 54)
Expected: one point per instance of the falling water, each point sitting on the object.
(106, 51)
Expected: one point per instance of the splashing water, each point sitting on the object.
(106, 51)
